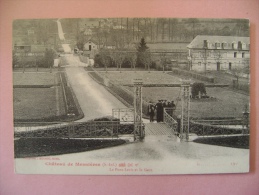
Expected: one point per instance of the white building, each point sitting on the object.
(90, 49)
(210, 53)
(90, 45)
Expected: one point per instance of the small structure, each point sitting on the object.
(90, 45)
(90, 49)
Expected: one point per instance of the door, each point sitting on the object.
(218, 66)
(229, 66)
(90, 47)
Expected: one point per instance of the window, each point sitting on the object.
(243, 46)
(208, 66)
(224, 45)
(239, 45)
(217, 45)
(243, 54)
(234, 45)
(205, 44)
(235, 54)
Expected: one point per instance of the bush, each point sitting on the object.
(198, 88)
(48, 59)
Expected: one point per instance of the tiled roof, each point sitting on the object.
(198, 41)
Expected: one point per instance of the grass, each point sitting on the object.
(35, 103)
(34, 147)
(231, 141)
(38, 97)
(34, 78)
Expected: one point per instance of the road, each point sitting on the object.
(95, 101)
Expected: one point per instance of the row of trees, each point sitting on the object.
(123, 31)
(141, 57)
(46, 61)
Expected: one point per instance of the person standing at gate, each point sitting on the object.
(159, 111)
(151, 111)
(173, 106)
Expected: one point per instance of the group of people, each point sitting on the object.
(158, 109)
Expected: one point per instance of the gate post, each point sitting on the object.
(138, 127)
(185, 100)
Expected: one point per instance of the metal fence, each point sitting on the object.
(93, 129)
(169, 120)
(223, 127)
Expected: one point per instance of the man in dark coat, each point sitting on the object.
(159, 111)
(151, 111)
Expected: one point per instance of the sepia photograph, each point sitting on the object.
(131, 96)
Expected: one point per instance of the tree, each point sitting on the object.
(133, 59)
(198, 89)
(104, 58)
(118, 57)
(48, 60)
(239, 72)
(141, 53)
(162, 58)
(193, 22)
(80, 41)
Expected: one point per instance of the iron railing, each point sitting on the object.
(169, 120)
(219, 127)
(93, 129)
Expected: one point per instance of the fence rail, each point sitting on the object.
(93, 129)
(169, 120)
(219, 127)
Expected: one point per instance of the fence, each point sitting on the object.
(218, 127)
(169, 120)
(92, 129)
(193, 75)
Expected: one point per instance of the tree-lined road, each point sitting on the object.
(95, 101)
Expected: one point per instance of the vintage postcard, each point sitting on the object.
(131, 96)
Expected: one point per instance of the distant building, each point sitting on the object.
(90, 49)
(215, 53)
(90, 45)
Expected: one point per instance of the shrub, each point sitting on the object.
(198, 88)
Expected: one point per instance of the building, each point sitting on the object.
(215, 53)
(90, 49)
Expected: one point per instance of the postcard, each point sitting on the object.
(131, 96)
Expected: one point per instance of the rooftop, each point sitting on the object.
(198, 41)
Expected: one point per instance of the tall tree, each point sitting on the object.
(141, 53)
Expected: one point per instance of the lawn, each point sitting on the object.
(38, 96)
(35, 78)
(225, 103)
(36, 103)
